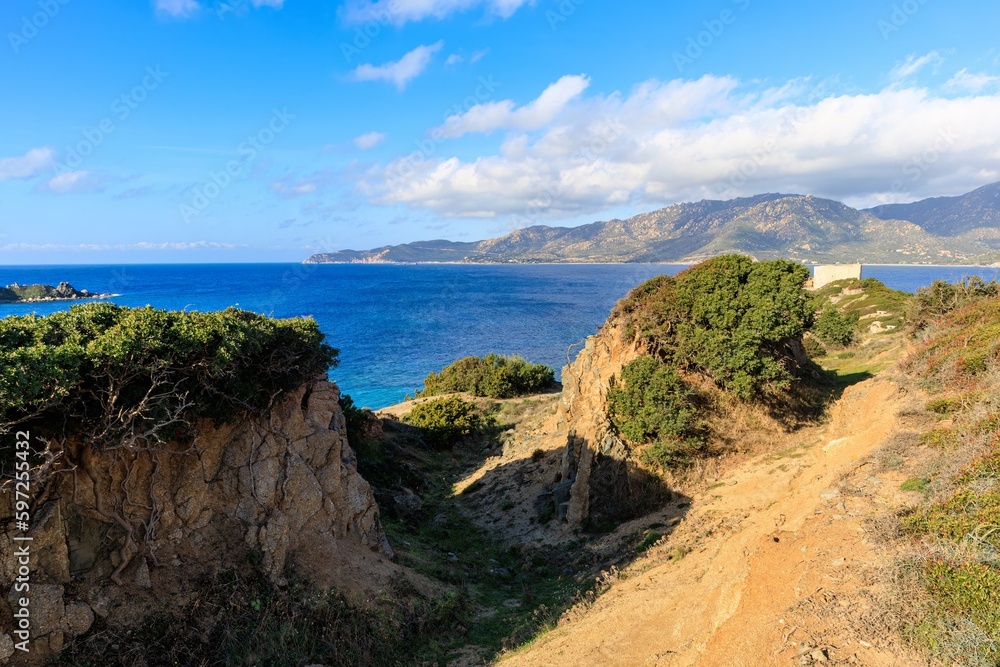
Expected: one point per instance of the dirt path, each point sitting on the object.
(778, 572)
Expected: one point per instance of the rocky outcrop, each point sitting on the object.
(599, 478)
(124, 533)
(15, 293)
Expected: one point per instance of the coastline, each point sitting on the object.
(670, 263)
(47, 299)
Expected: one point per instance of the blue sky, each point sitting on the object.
(265, 130)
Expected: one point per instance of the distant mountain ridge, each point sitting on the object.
(949, 216)
(946, 230)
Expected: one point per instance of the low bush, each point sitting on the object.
(492, 376)
(651, 404)
(834, 327)
(446, 421)
(943, 297)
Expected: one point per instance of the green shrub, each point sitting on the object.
(835, 328)
(652, 404)
(445, 421)
(492, 376)
(104, 372)
(732, 318)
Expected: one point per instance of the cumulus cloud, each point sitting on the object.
(713, 137)
(965, 81)
(913, 64)
(398, 12)
(504, 115)
(402, 71)
(26, 165)
(369, 140)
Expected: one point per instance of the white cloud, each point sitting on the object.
(913, 64)
(478, 55)
(965, 81)
(73, 181)
(402, 71)
(369, 140)
(27, 165)
(453, 59)
(398, 12)
(715, 138)
(503, 115)
(177, 8)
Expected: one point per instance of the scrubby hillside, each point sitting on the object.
(189, 493)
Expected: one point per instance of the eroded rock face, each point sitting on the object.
(127, 533)
(597, 467)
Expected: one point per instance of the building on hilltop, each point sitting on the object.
(824, 274)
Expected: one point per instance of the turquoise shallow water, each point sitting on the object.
(394, 324)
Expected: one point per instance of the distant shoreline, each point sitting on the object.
(45, 299)
(672, 263)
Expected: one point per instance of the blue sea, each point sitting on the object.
(394, 324)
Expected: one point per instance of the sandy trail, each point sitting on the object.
(777, 570)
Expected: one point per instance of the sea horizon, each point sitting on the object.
(395, 323)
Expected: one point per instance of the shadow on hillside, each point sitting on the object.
(504, 542)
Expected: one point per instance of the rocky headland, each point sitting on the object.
(15, 293)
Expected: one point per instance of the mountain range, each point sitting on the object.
(941, 230)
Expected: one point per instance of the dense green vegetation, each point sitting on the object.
(653, 404)
(492, 376)
(835, 327)
(731, 318)
(106, 373)
(445, 421)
